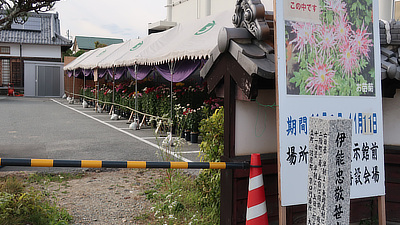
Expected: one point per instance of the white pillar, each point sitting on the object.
(208, 7)
(169, 10)
(386, 9)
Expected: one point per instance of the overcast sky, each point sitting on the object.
(125, 19)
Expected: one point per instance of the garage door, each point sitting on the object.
(48, 81)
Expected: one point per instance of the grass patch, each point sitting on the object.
(21, 206)
(49, 177)
(177, 202)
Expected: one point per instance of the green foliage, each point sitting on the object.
(212, 131)
(97, 44)
(212, 147)
(177, 203)
(182, 199)
(18, 206)
(70, 53)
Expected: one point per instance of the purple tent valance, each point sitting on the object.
(102, 72)
(77, 72)
(69, 73)
(183, 69)
(118, 72)
(142, 71)
(87, 72)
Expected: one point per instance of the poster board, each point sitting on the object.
(329, 68)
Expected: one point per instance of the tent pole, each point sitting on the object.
(73, 87)
(113, 88)
(84, 85)
(136, 92)
(171, 70)
(96, 85)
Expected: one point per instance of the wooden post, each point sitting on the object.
(382, 209)
(111, 110)
(131, 116)
(143, 120)
(282, 209)
(227, 215)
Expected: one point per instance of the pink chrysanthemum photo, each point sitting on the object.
(322, 79)
(305, 35)
(361, 42)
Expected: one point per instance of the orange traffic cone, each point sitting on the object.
(256, 204)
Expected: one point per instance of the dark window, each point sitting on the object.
(4, 50)
(5, 71)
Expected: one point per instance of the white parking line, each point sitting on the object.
(127, 133)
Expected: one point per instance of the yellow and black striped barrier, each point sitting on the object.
(122, 164)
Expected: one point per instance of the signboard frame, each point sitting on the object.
(295, 107)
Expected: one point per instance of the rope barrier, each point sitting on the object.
(104, 102)
(122, 164)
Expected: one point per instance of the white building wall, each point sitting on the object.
(255, 127)
(190, 10)
(40, 51)
(391, 119)
(185, 12)
(14, 49)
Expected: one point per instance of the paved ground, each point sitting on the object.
(53, 129)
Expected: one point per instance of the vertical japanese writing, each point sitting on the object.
(365, 152)
(340, 163)
(330, 153)
(317, 195)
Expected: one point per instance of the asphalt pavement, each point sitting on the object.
(50, 128)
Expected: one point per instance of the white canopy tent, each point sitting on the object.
(193, 40)
(130, 55)
(76, 63)
(99, 54)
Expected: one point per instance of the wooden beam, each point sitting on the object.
(216, 74)
(230, 113)
(244, 81)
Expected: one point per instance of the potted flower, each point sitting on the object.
(194, 118)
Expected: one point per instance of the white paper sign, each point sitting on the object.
(302, 10)
(330, 69)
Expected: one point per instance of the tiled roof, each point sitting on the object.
(46, 35)
(87, 43)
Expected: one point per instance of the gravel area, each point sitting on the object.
(106, 196)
